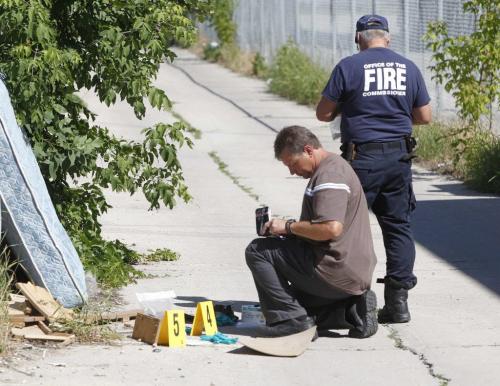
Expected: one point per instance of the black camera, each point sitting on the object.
(262, 216)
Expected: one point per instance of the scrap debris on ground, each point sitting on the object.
(32, 314)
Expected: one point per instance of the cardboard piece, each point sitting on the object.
(44, 303)
(284, 346)
(146, 328)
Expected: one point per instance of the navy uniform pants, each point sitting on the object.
(387, 182)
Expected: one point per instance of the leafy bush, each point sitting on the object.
(468, 65)
(482, 160)
(212, 52)
(222, 21)
(259, 66)
(294, 76)
(434, 145)
(52, 50)
(470, 155)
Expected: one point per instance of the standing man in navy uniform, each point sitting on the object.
(379, 95)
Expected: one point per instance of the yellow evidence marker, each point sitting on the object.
(204, 319)
(173, 329)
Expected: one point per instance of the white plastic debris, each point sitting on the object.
(156, 303)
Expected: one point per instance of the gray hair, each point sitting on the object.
(371, 34)
(293, 139)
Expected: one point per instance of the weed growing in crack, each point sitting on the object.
(398, 343)
(196, 133)
(223, 168)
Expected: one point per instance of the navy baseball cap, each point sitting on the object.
(372, 22)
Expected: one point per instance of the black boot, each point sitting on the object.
(334, 317)
(365, 308)
(396, 303)
(358, 314)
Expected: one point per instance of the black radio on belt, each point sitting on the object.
(348, 151)
(411, 144)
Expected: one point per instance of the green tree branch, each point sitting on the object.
(50, 50)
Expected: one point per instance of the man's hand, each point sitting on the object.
(276, 226)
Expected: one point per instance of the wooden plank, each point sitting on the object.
(14, 312)
(18, 302)
(112, 316)
(26, 318)
(44, 327)
(35, 333)
(66, 342)
(17, 298)
(44, 303)
(16, 323)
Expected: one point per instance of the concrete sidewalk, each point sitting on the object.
(454, 334)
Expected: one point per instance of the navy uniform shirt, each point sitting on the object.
(376, 91)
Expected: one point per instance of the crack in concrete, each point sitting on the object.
(246, 112)
(398, 343)
(479, 345)
(236, 180)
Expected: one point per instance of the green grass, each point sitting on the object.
(482, 163)
(295, 76)
(292, 74)
(6, 277)
(159, 254)
(470, 155)
(434, 149)
(86, 325)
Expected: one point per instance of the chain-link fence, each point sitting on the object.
(324, 29)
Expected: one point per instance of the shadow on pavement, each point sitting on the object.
(192, 301)
(242, 329)
(246, 351)
(463, 232)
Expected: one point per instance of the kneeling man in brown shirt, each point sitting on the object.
(317, 270)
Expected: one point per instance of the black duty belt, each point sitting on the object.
(407, 144)
(373, 146)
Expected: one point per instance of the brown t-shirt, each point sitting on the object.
(334, 193)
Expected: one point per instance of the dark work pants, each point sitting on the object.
(286, 280)
(387, 182)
